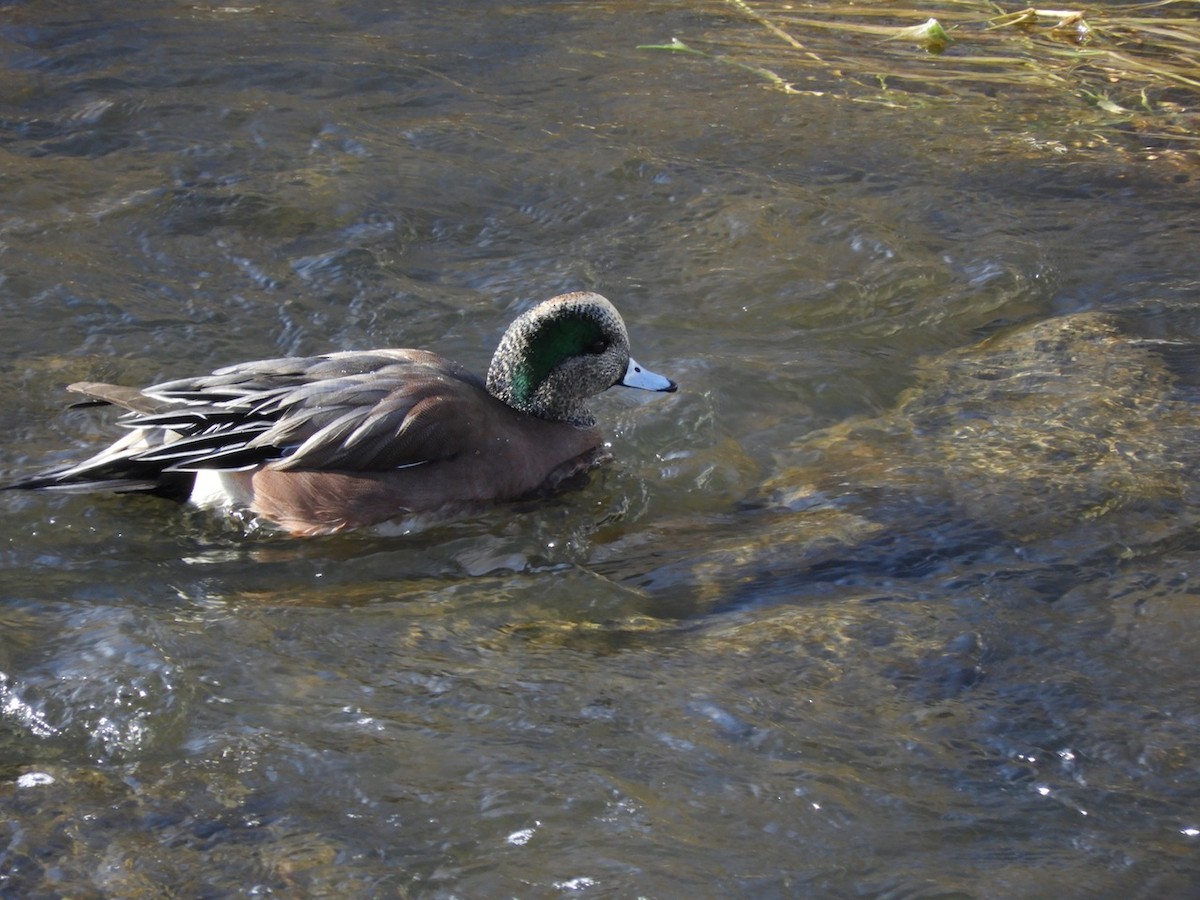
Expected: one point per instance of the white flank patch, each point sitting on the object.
(220, 490)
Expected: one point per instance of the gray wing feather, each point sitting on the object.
(369, 411)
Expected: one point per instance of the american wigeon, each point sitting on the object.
(327, 443)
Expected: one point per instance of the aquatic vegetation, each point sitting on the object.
(1119, 70)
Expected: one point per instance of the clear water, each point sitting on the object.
(894, 598)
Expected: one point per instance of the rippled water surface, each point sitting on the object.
(896, 597)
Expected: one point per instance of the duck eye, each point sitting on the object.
(597, 347)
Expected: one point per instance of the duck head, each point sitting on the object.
(561, 352)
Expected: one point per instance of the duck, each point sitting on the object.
(316, 445)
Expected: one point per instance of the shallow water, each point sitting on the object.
(894, 598)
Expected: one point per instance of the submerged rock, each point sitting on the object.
(1065, 439)
(1031, 433)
